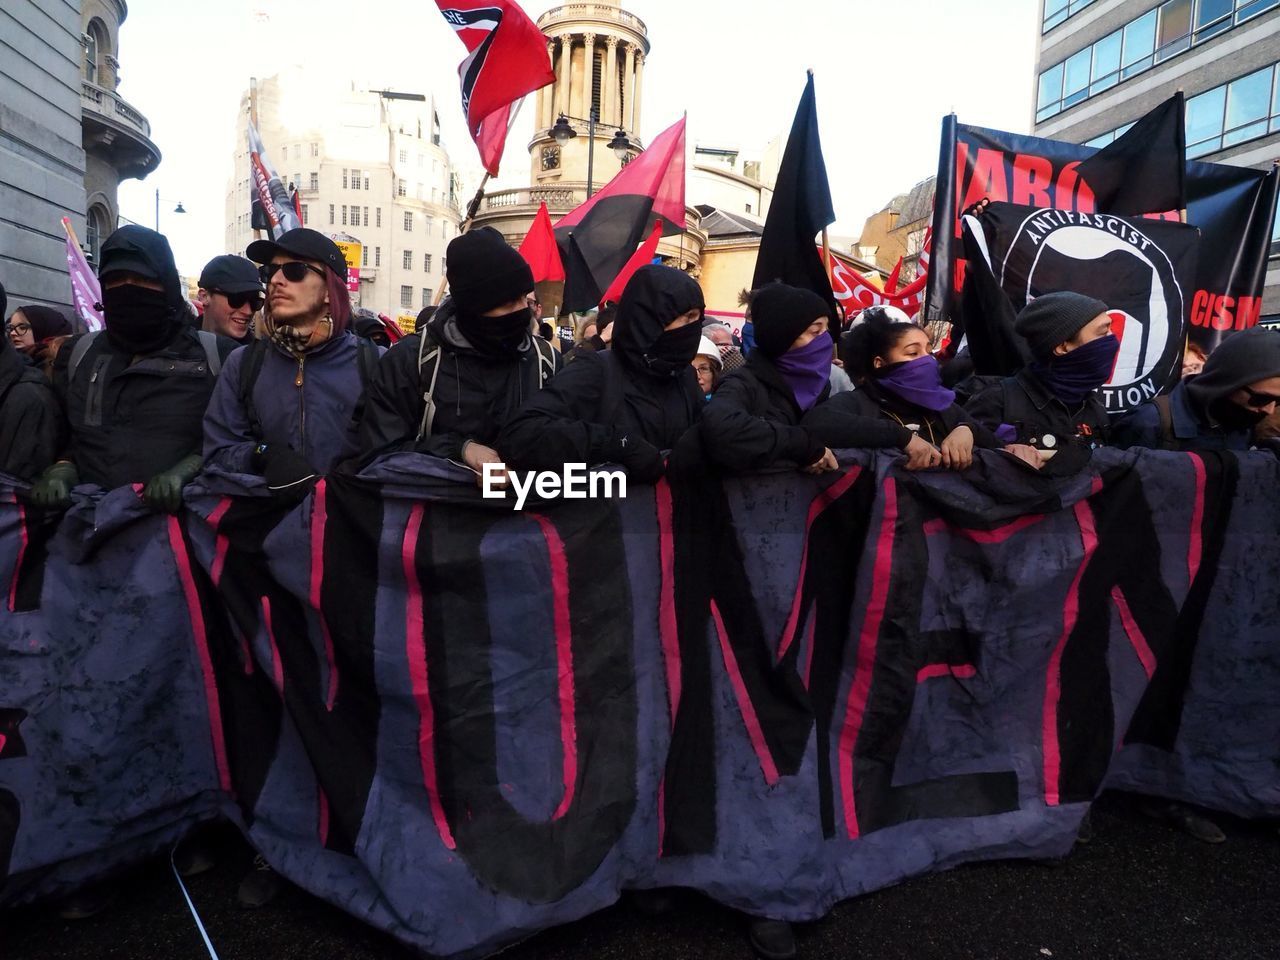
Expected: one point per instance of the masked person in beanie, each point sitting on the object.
(231, 292)
(31, 426)
(134, 394)
(1218, 408)
(285, 405)
(448, 390)
(899, 382)
(629, 403)
(1051, 409)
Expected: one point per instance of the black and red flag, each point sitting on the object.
(598, 238)
(506, 59)
(801, 208)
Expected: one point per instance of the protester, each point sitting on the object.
(370, 326)
(283, 408)
(595, 334)
(230, 293)
(134, 394)
(898, 380)
(707, 367)
(33, 331)
(31, 426)
(731, 357)
(1193, 358)
(449, 390)
(1049, 414)
(1219, 408)
(629, 403)
(748, 327)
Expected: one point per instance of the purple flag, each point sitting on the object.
(85, 290)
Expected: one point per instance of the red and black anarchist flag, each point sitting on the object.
(506, 59)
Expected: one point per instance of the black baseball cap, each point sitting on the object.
(231, 274)
(302, 242)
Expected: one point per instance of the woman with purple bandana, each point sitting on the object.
(755, 418)
(900, 385)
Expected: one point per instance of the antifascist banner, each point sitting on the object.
(1231, 206)
(269, 190)
(463, 723)
(1141, 269)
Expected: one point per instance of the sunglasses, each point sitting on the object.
(294, 271)
(1260, 399)
(17, 329)
(237, 300)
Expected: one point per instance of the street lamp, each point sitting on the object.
(562, 133)
(177, 209)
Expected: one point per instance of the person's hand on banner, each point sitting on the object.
(289, 475)
(476, 455)
(164, 491)
(957, 448)
(1026, 453)
(824, 464)
(921, 454)
(52, 489)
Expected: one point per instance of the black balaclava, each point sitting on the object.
(653, 297)
(1241, 359)
(485, 271)
(140, 320)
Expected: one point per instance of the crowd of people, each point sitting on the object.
(279, 379)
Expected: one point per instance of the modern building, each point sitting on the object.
(1102, 64)
(369, 167)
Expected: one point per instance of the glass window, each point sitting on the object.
(344, 178)
(1055, 11)
(407, 261)
(1204, 121)
(426, 262)
(377, 256)
(1106, 63)
(366, 181)
(1248, 106)
(1075, 82)
(1139, 42)
(429, 222)
(364, 256)
(1212, 16)
(404, 156)
(1101, 141)
(1248, 10)
(315, 181)
(379, 216)
(426, 296)
(1050, 93)
(406, 297)
(304, 214)
(1174, 33)
(315, 149)
(331, 214)
(365, 217)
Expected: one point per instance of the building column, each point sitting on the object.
(546, 95)
(629, 79)
(610, 114)
(588, 72)
(635, 116)
(563, 72)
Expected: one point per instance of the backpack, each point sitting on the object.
(429, 354)
(366, 362)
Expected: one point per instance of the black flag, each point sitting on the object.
(1144, 169)
(801, 208)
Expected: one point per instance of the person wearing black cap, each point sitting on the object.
(626, 404)
(30, 423)
(285, 408)
(447, 390)
(1217, 409)
(1050, 411)
(134, 394)
(754, 418)
(231, 292)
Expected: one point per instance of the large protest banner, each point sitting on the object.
(1232, 207)
(463, 723)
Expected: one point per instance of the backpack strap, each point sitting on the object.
(210, 343)
(255, 354)
(83, 343)
(1167, 440)
(546, 360)
(428, 353)
(367, 360)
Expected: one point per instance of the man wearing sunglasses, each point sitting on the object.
(231, 292)
(1219, 408)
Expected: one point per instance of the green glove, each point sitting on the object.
(52, 490)
(164, 490)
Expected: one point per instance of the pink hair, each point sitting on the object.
(339, 301)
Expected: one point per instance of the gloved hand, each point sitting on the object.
(164, 491)
(289, 475)
(52, 489)
(642, 459)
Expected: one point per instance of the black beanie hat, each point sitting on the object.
(1241, 359)
(780, 313)
(485, 271)
(1054, 318)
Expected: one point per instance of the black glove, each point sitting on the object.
(289, 475)
(642, 459)
(164, 490)
(52, 489)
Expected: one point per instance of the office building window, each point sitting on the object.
(315, 181)
(304, 214)
(429, 222)
(408, 222)
(344, 178)
(355, 179)
(406, 297)
(404, 156)
(400, 188)
(1240, 110)
(426, 262)
(331, 214)
(344, 214)
(315, 149)
(407, 262)
(366, 181)
(377, 256)
(364, 256)
(378, 210)
(426, 296)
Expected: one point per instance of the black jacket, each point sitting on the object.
(475, 395)
(1041, 420)
(839, 421)
(31, 426)
(601, 398)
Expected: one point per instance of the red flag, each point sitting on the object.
(506, 59)
(539, 249)
(643, 256)
(597, 238)
(891, 285)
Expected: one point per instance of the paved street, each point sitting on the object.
(1138, 891)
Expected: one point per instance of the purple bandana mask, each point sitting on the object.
(918, 382)
(807, 369)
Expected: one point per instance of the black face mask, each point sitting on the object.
(496, 336)
(674, 349)
(1233, 417)
(137, 319)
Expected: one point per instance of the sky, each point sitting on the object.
(885, 72)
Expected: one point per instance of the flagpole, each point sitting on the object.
(474, 206)
(253, 119)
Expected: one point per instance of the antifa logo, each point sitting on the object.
(488, 19)
(1107, 258)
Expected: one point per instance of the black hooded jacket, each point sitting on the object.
(133, 416)
(602, 398)
(474, 396)
(840, 422)
(30, 424)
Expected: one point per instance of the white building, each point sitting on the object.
(368, 166)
